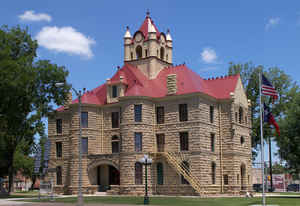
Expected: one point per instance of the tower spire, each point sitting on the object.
(148, 13)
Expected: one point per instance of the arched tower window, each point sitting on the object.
(138, 173)
(160, 173)
(139, 52)
(240, 115)
(162, 53)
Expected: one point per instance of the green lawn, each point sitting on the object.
(180, 201)
(22, 194)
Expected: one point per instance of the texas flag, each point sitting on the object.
(269, 118)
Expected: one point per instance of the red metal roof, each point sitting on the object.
(144, 28)
(139, 85)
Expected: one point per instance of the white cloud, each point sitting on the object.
(208, 55)
(32, 16)
(272, 22)
(65, 39)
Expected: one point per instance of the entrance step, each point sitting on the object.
(100, 193)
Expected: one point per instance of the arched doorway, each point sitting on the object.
(104, 175)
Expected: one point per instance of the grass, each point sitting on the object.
(21, 194)
(181, 201)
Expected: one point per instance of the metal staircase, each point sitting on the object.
(176, 159)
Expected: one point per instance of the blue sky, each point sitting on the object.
(87, 36)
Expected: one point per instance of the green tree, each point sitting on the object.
(27, 93)
(250, 79)
(288, 142)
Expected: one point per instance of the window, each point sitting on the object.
(160, 142)
(58, 175)
(184, 141)
(185, 166)
(246, 120)
(139, 52)
(84, 119)
(183, 112)
(157, 52)
(138, 173)
(131, 55)
(58, 149)
(238, 179)
(138, 141)
(236, 117)
(115, 146)
(59, 126)
(84, 145)
(160, 173)
(160, 115)
(167, 57)
(212, 142)
(138, 113)
(146, 53)
(213, 173)
(162, 53)
(225, 179)
(242, 139)
(114, 91)
(115, 119)
(211, 114)
(240, 115)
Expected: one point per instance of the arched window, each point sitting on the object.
(162, 53)
(240, 115)
(242, 140)
(115, 146)
(160, 173)
(139, 52)
(213, 173)
(185, 166)
(138, 173)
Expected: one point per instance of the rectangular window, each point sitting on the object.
(114, 91)
(58, 175)
(84, 145)
(115, 147)
(225, 179)
(59, 126)
(184, 141)
(115, 119)
(84, 119)
(58, 149)
(138, 141)
(160, 142)
(183, 112)
(138, 113)
(212, 142)
(211, 114)
(160, 115)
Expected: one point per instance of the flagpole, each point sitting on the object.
(262, 144)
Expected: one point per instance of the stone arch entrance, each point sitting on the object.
(104, 174)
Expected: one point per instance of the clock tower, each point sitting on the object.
(148, 49)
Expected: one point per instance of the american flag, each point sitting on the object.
(267, 88)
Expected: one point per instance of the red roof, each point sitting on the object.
(144, 28)
(139, 85)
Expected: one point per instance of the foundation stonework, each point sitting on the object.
(114, 171)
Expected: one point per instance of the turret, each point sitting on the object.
(169, 47)
(127, 42)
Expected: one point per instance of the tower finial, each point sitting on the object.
(148, 13)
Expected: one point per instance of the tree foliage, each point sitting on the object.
(27, 93)
(250, 79)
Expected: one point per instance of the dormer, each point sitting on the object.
(115, 89)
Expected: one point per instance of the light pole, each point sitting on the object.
(146, 161)
(78, 94)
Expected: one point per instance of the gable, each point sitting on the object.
(240, 97)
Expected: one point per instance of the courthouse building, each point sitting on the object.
(197, 131)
